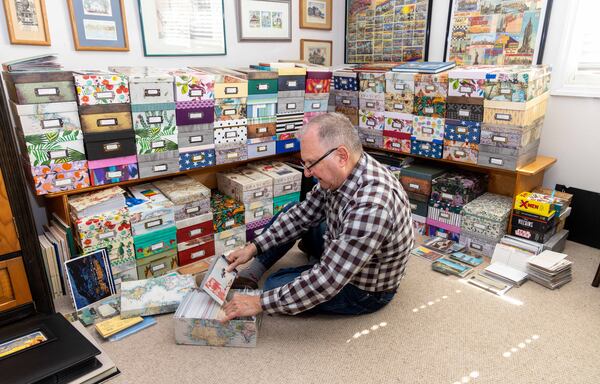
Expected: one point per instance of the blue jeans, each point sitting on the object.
(351, 300)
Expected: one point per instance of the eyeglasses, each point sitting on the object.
(307, 167)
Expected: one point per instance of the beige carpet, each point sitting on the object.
(459, 334)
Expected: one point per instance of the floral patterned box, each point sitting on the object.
(431, 85)
(395, 102)
(430, 106)
(149, 209)
(101, 87)
(428, 129)
(396, 144)
(191, 198)
(371, 120)
(398, 125)
(155, 242)
(245, 184)
(462, 130)
(113, 170)
(227, 212)
(60, 177)
(86, 204)
(426, 148)
(193, 85)
(35, 119)
(458, 187)
(468, 81)
(487, 216)
(227, 241)
(197, 158)
(461, 151)
(54, 147)
(94, 231)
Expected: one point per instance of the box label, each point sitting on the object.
(156, 246)
(230, 242)
(192, 210)
(346, 101)
(399, 106)
(106, 235)
(106, 122)
(476, 246)
(413, 206)
(290, 126)
(228, 112)
(231, 90)
(46, 91)
(152, 92)
(195, 232)
(114, 174)
(52, 123)
(425, 147)
(111, 147)
(229, 223)
(503, 116)
(428, 109)
(444, 215)
(430, 88)
(261, 130)
(290, 106)
(414, 186)
(316, 105)
(262, 87)
(480, 226)
(289, 145)
(259, 213)
(195, 115)
(58, 154)
(158, 267)
(198, 158)
(461, 130)
(443, 235)
(63, 182)
(196, 92)
(396, 145)
(428, 130)
(459, 153)
(197, 254)
(287, 187)
(505, 91)
(399, 87)
(370, 140)
(496, 161)
(258, 194)
(160, 168)
(464, 89)
(499, 139)
(231, 134)
(232, 155)
(260, 106)
(155, 120)
(261, 148)
(196, 139)
(292, 83)
(464, 113)
(153, 223)
(104, 95)
(370, 104)
(158, 144)
(447, 196)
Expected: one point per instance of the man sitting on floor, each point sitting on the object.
(356, 221)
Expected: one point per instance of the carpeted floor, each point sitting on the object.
(436, 330)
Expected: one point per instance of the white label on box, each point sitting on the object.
(196, 92)
(505, 91)
(459, 153)
(370, 104)
(371, 84)
(428, 130)
(192, 210)
(399, 87)
(396, 145)
(231, 134)
(370, 140)
(399, 107)
(346, 101)
(158, 267)
(259, 213)
(316, 105)
(260, 106)
(496, 161)
(261, 148)
(447, 196)
(106, 122)
(443, 235)
(198, 158)
(461, 130)
(196, 139)
(152, 92)
(428, 109)
(480, 226)
(155, 120)
(464, 89)
(262, 130)
(344, 81)
(289, 145)
(425, 147)
(58, 154)
(63, 182)
(157, 144)
(502, 116)
(413, 206)
(430, 88)
(104, 95)
(370, 122)
(114, 174)
(153, 223)
(414, 186)
(106, 235)
(156, 246)
(110, 147)
(195, 255)
(499, 139)
(290, 126)
(46, 91)
(444, 215)
(160, 168)
(195, 232)
(228, 112)
(230, 242)
(232, 155)
(292, 83)
(231, 90)
(290, 106)
(318, 86)
(258, 194)
(258, 231)
(396, 124)
(195, 115)
(476, 246)
(464, 113)
(52, 123)
(287, 187)
(229, 223)
(263, 87)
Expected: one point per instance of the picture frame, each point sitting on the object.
(27, 22)
(514, 34)
(387, 31)
(98, 25)
(264, 20)
(317, 52)
(316, 14)
(182, 29)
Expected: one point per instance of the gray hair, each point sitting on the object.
(335, 129)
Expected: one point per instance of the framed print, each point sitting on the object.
(264, 20)
(497, 32)
(315, 14)
(27, 22)
(316, 51)
(183, 27)
(387, 31)
(98, 25)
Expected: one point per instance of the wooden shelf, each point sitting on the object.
(540, 164)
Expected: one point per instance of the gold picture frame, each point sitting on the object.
(98, 26)
(317, 52)
(27, 25)
(316, 14)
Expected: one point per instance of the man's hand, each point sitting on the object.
(241, 305)
(241, 256)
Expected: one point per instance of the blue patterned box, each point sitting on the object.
(426, 148)
(284, 146)
(197, 159)
(462, 130)
(261, 110)
(345, 80)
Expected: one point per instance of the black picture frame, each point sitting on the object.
(427, 33)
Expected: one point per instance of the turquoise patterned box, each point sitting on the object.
(280, 202)
(155, 242)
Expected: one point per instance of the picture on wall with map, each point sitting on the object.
(497, 32)
(387, 30)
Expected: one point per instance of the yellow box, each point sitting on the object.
(291, 71)
(227, 90)
(535, 203)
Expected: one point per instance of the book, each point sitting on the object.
(34, 63)
(107, 368)
(466, 259)
(450, 267)
(508, 264)
(145, 323)
(116, 324)
(56, 220)
(424, 67)
(217, 280)
(49, 264)
(426, 253)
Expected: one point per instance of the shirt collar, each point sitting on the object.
(348, 187)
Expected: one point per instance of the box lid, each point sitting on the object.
(421, 171)
(255, 74)
(158, 295)
(153, 107)
(194, 220)
(40, 109)
(144, 74)
(183, 189)
(169, 254)
(470, 72)
(38, 77)
(79, 203)
(278, 171)
(104, 109)
(143, 196)
(489, 206)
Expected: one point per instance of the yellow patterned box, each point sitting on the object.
(536, 203)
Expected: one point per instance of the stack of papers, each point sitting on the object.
(35, 63)
(550, 269)
(509, 264)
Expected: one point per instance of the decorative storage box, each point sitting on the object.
(431, 85)
(267, 148)
(154, 296)
(372, 84)
(190, 197)
(291, 83)
(157, 265)
(35, 119)
(507, 158)
(430, 106)
(287, 123)
(289, 105)
(101, 87)
(53, 147)
(246, 185)
(395, 144)
(395, 102)
(285, 179)
(507, 136)
(318, 86)
(88, 204)
(193, 85)
(285, 146)
(285, 136)
(530, 233)
(113, 170)
(93, 231)
(279, 202)
(105, 118)
(194, 227)
(193, 327)
(348, 99)
(428, 129)
(228, 240)
(259, 82)
(371, 120)
(426, 148)
(419, 225)
(230, 135)
(370, 137)
(268, 139)
(261, 110)
(264, 98)
(517, 83)
(227, 212)
(149, 209)
(197, 157)
(461, 151)
(106, 145)
(121, 254)
(536, 222)
(345, 80)
(402, 84)
(256, 227)
(231, 153)
(416, 178)
(40, 87)
(159, 163)
(477, 245)
(375, 105)
(467, 82)
(189, 136)
(470, 109)
(196, 249)
(227, 86)
(487, 216)
(444, 215)
(261, 127)
(258, 210)
(155, 127)
(419, 204)
(195, 112)
(229, 112)
(458, 187)
(60, 177)
(461, 130)
(155, 242)
(148, 85)
(516, 114)
(315, 105)
(398, 125)
(445, 233)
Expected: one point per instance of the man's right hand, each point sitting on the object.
(241, 256)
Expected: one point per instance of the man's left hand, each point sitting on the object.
(241, 305)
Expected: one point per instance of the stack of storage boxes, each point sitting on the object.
(371, 107)
(49, 130)
(194, 114)
(193, 217)
(484, 223)
(153, 228)
(105, 114)
(286, 183)
(431, 91)
(228, 222)
(399, 99)
(346, 86)
(514, 108)
(290, 107)
(464, 114)
(316, 98)
(534, 217)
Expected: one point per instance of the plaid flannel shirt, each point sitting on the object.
(367, 243)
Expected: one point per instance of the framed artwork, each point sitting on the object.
(316, 51)
(183, 27)
(315, 14)
(497, 32)
(264, 20)
(98, 25)
(27, 22)
(387, 31)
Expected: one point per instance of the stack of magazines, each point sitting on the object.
(550, 269)
(35, 63)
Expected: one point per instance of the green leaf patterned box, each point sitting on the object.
(55, 147)
(155, 128)
(155, 242)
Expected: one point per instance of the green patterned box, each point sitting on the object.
(280, 202)
(54, 147)
(155, 242)
(157, 265)
(155, 128)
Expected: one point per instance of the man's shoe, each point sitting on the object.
(302, 247)
(244, 283)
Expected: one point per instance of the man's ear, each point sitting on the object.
(344, 155)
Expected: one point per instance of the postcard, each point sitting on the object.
(90, 278)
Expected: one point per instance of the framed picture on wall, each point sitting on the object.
(497, 32)
(387, 31)
(27, 22)
(315, 14)
(264, 20)
(98, 25)
(316, 51)
(183, 27)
